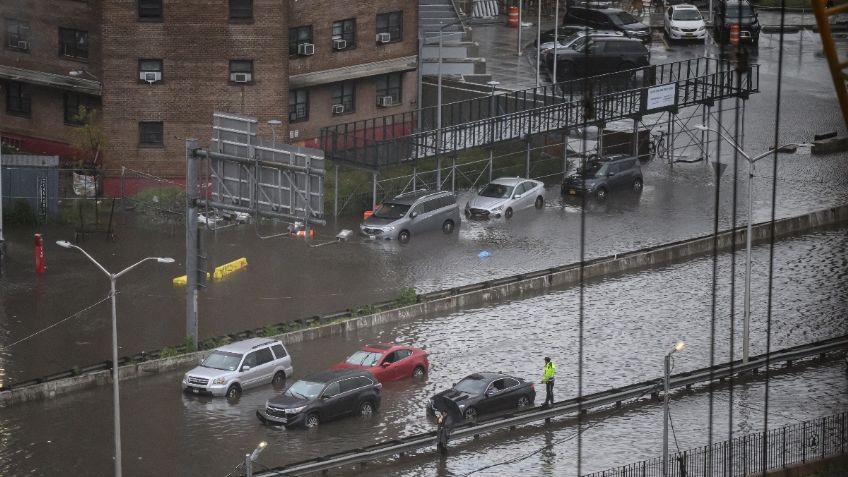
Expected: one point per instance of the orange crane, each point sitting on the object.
(837, 68)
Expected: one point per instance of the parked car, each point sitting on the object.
(504, 196)
(575, 40)
(322, 397)
(230, 369)
(388, 361)
(736, 11)
(412, 214)
(564, 31)
(485, 393)
(684, 22)
(602, 176)
(608, 19)
(600, 55)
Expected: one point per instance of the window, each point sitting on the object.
(73, 43)
(343, 94)
(279, 351)
(346, 385)
(18, 99)
(149, 70)
(345, 30)
(241, 71)
(250, 360)
(150, 133)
(402, 353)
(362, 382)
(17, 34)
(241, 9)
(298, 105)
(332, 389)
(391, 23)
(509, 383)
(298, 36)
(264, 356)
(72, 103)
(150, 9)
(390, 85)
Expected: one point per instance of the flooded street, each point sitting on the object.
(630, 321)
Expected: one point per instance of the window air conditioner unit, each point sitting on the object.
(384, 37)
(150, 76)
(240, 77)
(23, 44)
(306, 49)
(384, 101)
(338, 108)
(339, 44)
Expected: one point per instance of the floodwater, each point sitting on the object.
(630, 322)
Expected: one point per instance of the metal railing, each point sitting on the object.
(746, 455)
(388, 140)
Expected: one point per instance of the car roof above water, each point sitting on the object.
(410, 198)
(246, 346)
(334, 374)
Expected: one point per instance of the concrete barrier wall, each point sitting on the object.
(470, 296)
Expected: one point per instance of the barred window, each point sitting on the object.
(72, 105)
(298, 105)
(390, 85)
(150, 133)
(73, 43)
(343, 93)
(345, 30)
(241, 9)
(299, 35)
(17, 34)
(150, 9)
(18, 99)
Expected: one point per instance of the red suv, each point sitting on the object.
(388, 361)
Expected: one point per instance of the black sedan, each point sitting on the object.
(486, 393)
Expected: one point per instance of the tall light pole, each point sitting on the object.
(249, 459)
(746, 327)
(442, 26)
(274, 123)
(556, 41)
(492, 113)
(679, 346)
(115, 379)
(539, 38)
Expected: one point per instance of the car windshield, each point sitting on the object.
(497, 191)
(305, 389)
(735, 11)
(222, 360)
(623, 18)
(391, 211)
(592, 168)
(686, 15)
(471, 386)
(568, 39)
(364, 358)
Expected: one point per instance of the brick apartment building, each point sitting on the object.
(157, 69)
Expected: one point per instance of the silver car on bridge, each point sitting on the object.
(504, 196)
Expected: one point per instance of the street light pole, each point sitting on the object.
(492, 113)
(746, 326)
(539, 38)
(249, 459)
(113, 277)
(679, 346)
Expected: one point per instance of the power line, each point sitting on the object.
(75, 315)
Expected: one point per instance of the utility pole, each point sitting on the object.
(192, 197)
(2, 240)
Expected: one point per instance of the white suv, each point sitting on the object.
(232, 368)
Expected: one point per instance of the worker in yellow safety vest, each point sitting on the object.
(548, 375)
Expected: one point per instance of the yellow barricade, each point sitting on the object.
(219, 273)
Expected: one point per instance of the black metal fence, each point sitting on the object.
(482, 121)
(750, 454)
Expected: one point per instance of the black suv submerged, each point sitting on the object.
(322, 397)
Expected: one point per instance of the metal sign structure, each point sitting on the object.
(248, 175)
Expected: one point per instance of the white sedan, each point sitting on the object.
(684, 22)
(504, 196)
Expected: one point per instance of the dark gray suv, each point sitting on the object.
(599, 177)
(322, 397)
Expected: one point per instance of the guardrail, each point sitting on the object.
(743, 456)
(615, 396)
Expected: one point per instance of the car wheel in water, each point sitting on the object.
(279, 379)
(312, 421)
(637, 185)
(508, 213)
(403, 236)
(233, 392)
(448, 226)
(601, 194)
(366, 409)
(470, 414)
(419, 372)
(523, 401)
(540, 202)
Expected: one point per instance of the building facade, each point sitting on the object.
(157, 69)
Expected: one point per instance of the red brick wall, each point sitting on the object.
(196, 41)
(44, 18)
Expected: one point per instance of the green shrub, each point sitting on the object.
(168, 352)
(407, 296)
(270, 330)
(190, 347)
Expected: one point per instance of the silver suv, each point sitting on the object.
(411, 214)
(232, 368)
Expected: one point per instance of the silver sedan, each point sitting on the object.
(504, 196)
